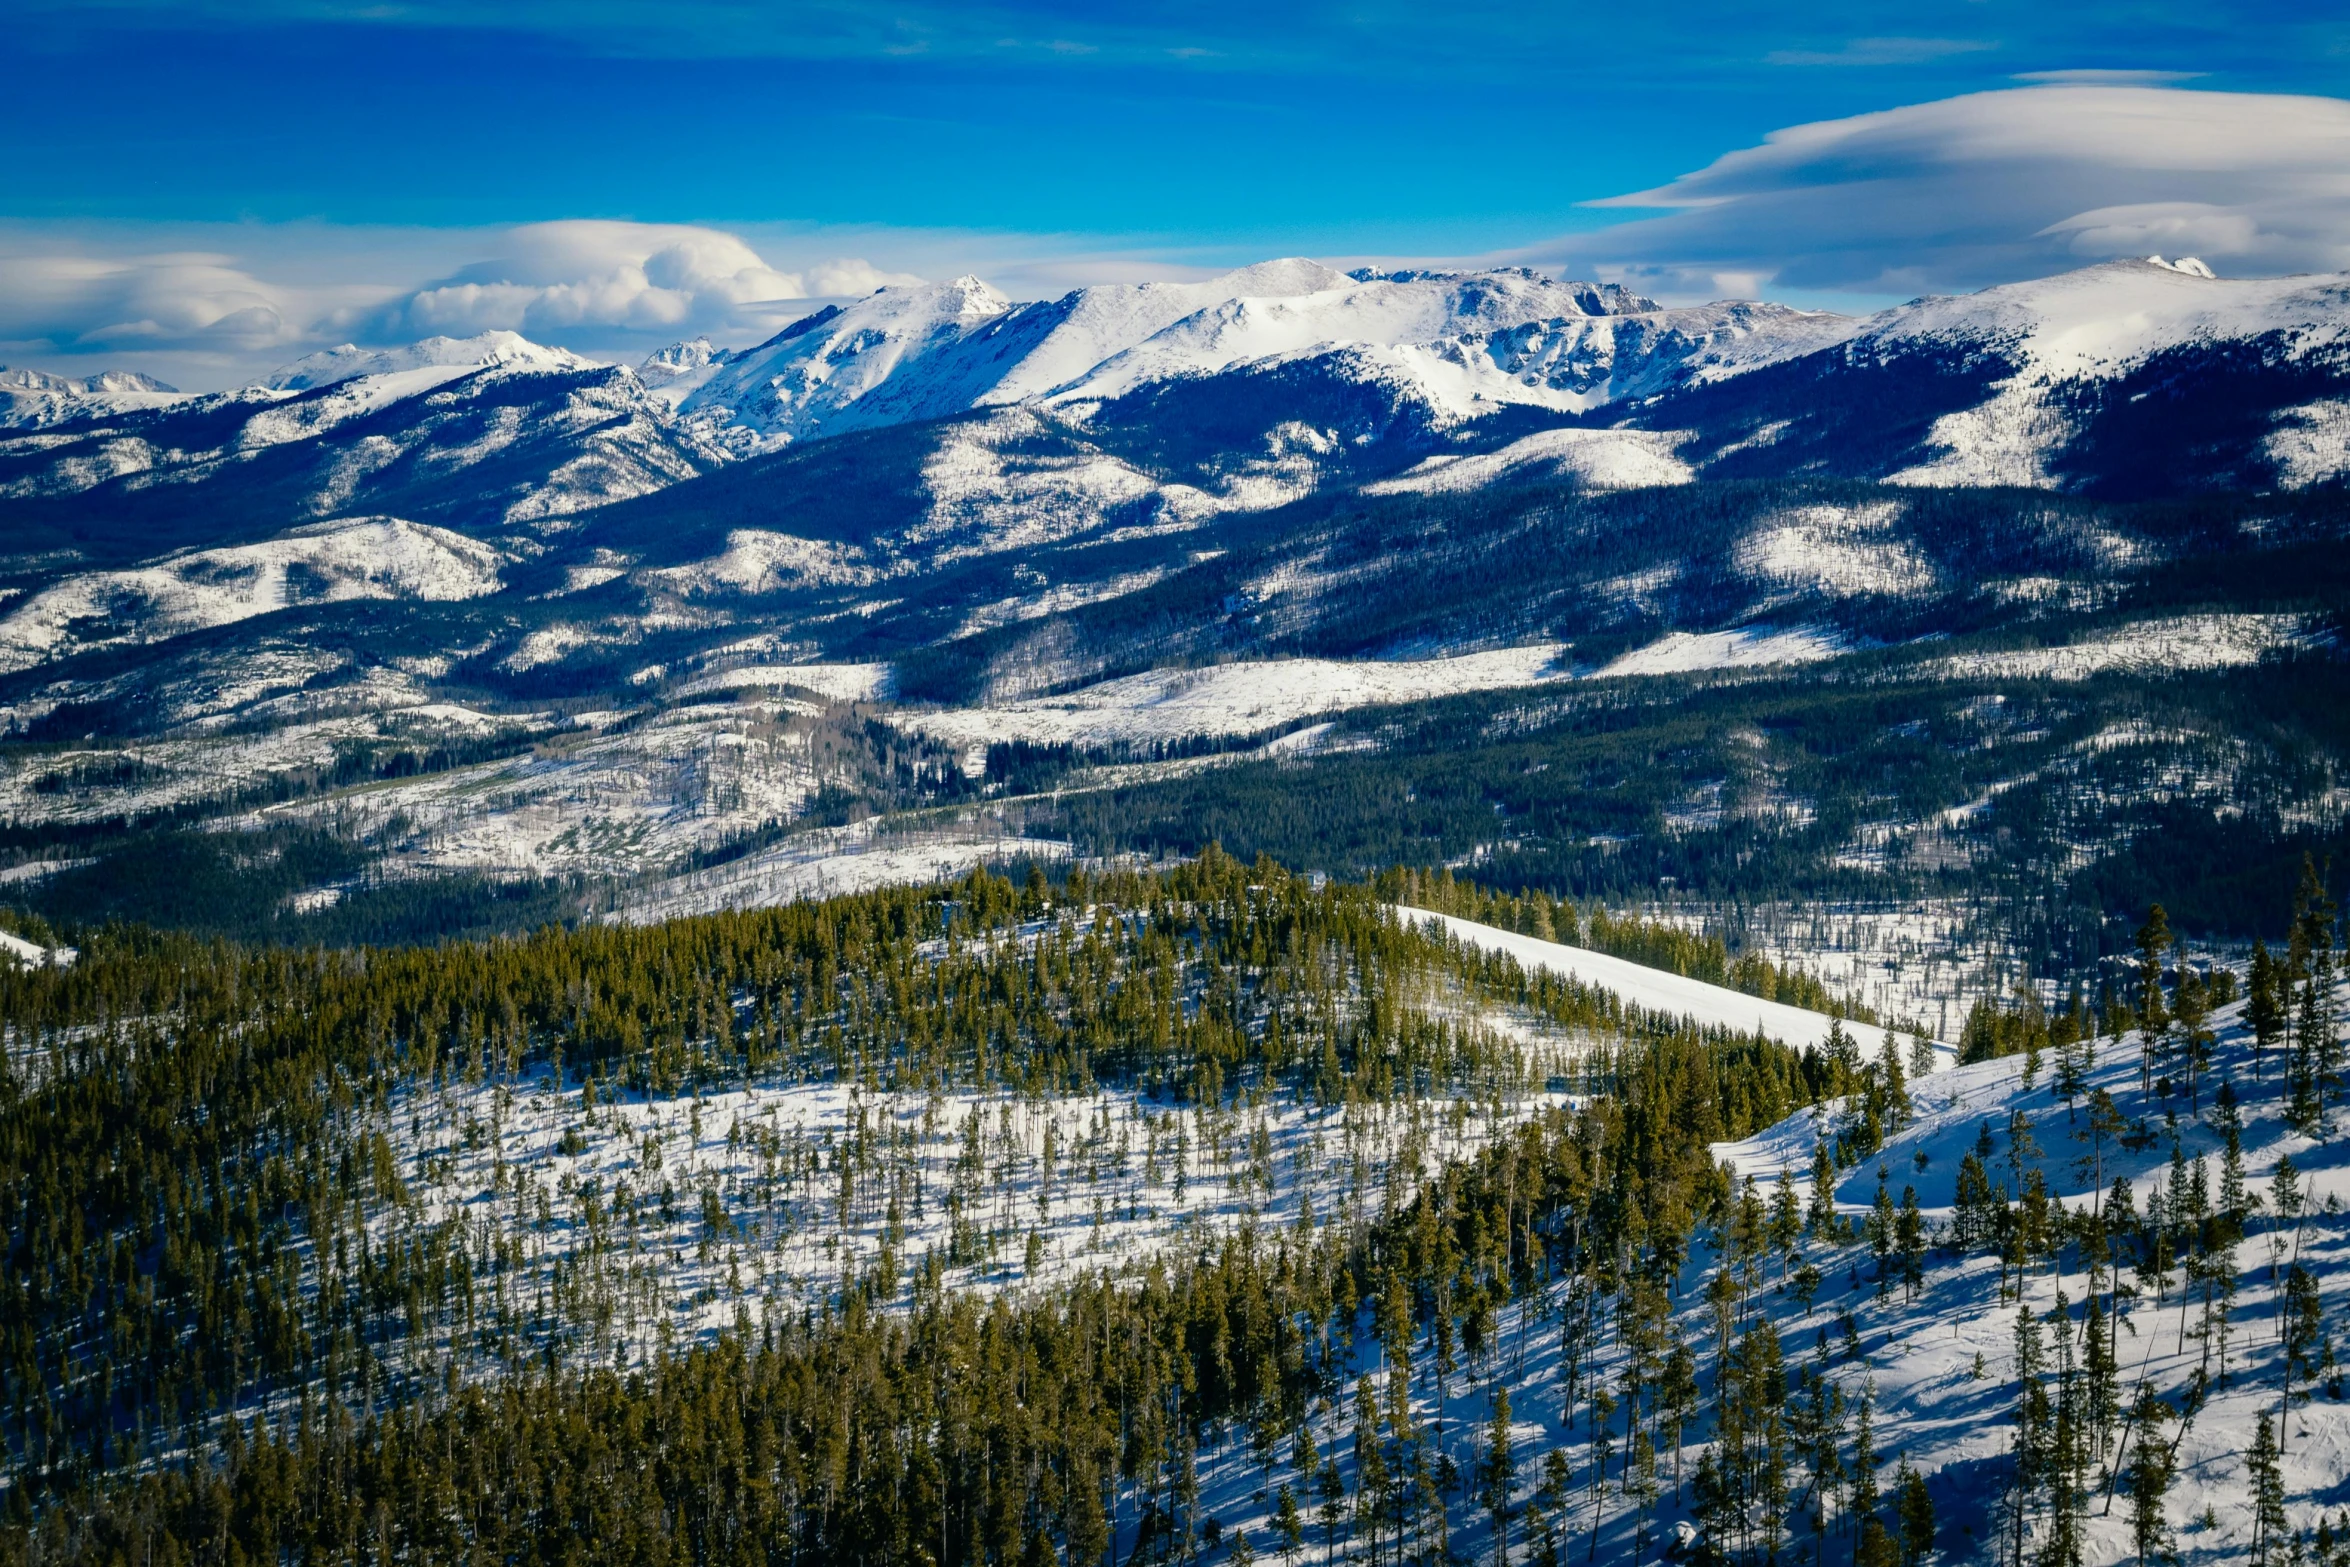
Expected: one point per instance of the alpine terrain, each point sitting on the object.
(1388, 917)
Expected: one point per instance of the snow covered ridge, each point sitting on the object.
(454, 355)
(2200, 1325)
(364, 558)
(1459, 342)
(1655, 990)
(35, 399)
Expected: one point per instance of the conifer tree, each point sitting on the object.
(2029, 1445)
(2153, 940)
(2150, 1477)
(2262, 1470)
(1497, 1473)
(2264, 1006)
(1910, 1242)
(1820, 1217)
(1914, 1506)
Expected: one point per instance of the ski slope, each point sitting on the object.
(1658, 991)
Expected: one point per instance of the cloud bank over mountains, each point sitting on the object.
(1944, 196)
(668, 278)
(1994, 187)
(607, 288)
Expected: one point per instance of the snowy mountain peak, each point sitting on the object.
(35, 399)
(104, 382)
(1283, 277)
(2193, 266)
(482, 351)
(679, 368)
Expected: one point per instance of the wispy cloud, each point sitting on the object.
(1881, 51)
(213, 305)
(1993, 186)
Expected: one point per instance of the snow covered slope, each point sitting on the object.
(1714, 1006)
(1460, 342)
(366, 558)
(1234, 699)
(2127, 378)
(1922, 1355)
(35, 399)
(453, 356)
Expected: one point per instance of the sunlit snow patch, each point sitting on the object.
(1687, 652)
(1236, 699)
(1599, 459)
(367, 558)
(1656, 990)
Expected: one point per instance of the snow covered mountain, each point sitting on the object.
(485, 432)
(1459, 344)
(35, 399)
(2132, 378)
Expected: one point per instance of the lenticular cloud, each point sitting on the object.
(1990, 187)
(644, 276)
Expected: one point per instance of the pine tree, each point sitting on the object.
(1914, 1507)
(2264, 1005)
(2268, 1490)
(2030, 1442)
(1820, 1217)
(2150, 1479)
(1496, 1473)
(2153, 940)
(1884, 1236)
(2101, 1378)
(2066, 1452)
(1865, 1493)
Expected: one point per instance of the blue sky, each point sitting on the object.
(334, 156)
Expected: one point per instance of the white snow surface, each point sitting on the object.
(2101, 322)
(1240, 698)
(1461, 343)
(443, 357)
(362, 558)
(837, 682)
(36, 399)
(1835, 552)
(1657, 990)
(1599, 459)
(2179, 642)
(31, 954)
(832, 862)
(1687, 652)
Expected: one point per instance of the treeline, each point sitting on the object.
(1022, 1432)
(197, 1140)
(1653, 943)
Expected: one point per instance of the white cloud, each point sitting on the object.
(1995, 186)
(211, 305)
(1879, 51)
(556, 277)
(167, 300)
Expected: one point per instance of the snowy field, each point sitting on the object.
(2180, 643)
(1929, 960)
(1713, 1006)
(675, 1212)
(828, 862)
(1249, 697)
(1241, 698)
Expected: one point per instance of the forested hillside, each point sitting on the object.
(1199, 1215)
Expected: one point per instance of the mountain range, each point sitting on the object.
(463, 551)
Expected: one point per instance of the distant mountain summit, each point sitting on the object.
(1239, 392)
(32, 399)
(459, 355)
